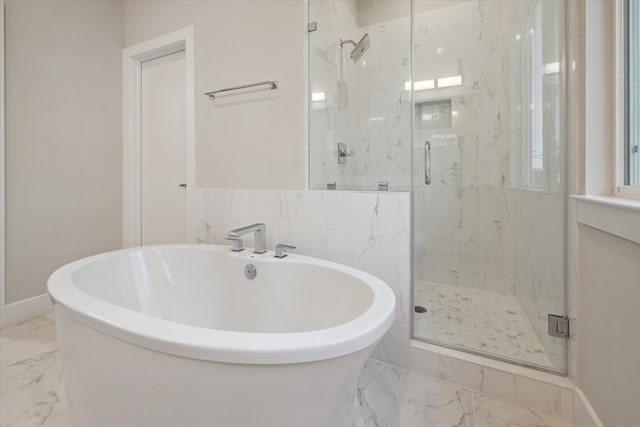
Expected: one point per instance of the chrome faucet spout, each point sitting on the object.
(259, 237)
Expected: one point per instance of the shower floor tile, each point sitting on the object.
(479, 320)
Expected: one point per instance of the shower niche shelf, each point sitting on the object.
(434, 114)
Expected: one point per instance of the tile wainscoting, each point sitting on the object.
(369, 231)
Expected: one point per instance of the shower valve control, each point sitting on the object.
(343, 153)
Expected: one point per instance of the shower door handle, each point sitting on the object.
(427, 162)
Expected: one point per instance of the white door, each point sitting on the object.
(164, 218)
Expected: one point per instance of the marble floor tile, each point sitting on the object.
(32, 391)
(477, 319)
(375, 398)
(489, 412)
(425, 402)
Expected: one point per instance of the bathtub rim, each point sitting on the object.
(220, 345)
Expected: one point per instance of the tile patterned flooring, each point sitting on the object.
(32, 392)
(477, 319)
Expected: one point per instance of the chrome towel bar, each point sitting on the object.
(272, 83)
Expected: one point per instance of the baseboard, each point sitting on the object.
(21, 311)
(585, 416)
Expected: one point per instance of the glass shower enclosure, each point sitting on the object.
(360, 108)
(462, 102)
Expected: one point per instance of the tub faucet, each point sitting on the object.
(259, 236)
(282, 250)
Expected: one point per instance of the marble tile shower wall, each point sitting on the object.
(538, 201)
(369, 231)
(540, 262)
(385, 107)
(331, 73)
(463, 234)
(493, 215)
(463, 231)
(366, 105)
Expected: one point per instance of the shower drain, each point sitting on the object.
(419, 309)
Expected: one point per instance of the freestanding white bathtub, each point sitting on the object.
(177, 336)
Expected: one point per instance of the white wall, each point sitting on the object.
(609, 316)
(254, 140)
(2, 163)
(608, 274)
(63, 137)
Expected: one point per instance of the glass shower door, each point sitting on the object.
(360, 106)
(489, 178)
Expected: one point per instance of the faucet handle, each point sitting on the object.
(236, 243)
(281, 250)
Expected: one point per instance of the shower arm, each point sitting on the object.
(343, 42)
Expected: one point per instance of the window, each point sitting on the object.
(629, 152)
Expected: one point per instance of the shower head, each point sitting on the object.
(359, 48)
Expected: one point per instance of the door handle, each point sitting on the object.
(183, 185)
(427, 162)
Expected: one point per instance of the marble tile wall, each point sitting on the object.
(463, 220)
(493, 215)
(539, 220)
(366, 105)
(547, 392)
(385, 105)
(332, 73)
(367, 230)
(463, 233)
(541, 390)
(538, 209)
(539, 214)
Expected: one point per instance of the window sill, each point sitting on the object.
(614, 215)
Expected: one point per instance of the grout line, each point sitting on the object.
(473, 409)
(396, 396)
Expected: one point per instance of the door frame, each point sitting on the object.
(132, 59)
(2, 172)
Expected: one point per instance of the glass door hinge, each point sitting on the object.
(558, 326)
